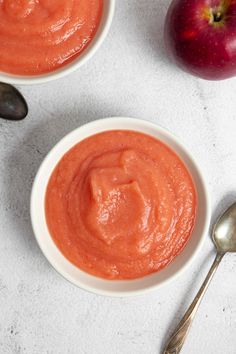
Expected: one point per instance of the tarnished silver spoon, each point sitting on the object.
(12, 104)
(224, 238)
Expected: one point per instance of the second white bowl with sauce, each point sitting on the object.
(77, 62)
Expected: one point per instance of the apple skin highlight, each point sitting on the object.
(200, 36)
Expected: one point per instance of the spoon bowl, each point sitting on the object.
(12, 104)
(224, 231)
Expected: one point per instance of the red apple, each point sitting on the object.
(200, 36)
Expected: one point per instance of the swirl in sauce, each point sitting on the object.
(120, 205)
(39, 36)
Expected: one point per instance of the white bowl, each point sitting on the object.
(87, 281)
(108, 12)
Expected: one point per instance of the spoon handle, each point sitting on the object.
(177, 340)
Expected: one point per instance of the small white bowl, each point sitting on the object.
(87, 281)
(107, 16)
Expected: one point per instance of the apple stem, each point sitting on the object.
(217, 16)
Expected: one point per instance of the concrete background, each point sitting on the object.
(129, 76)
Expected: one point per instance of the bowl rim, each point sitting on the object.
(98, 124)
(89, 51)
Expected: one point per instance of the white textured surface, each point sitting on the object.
(130, 76)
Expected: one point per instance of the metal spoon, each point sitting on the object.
(224, 238)
(12, 104)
